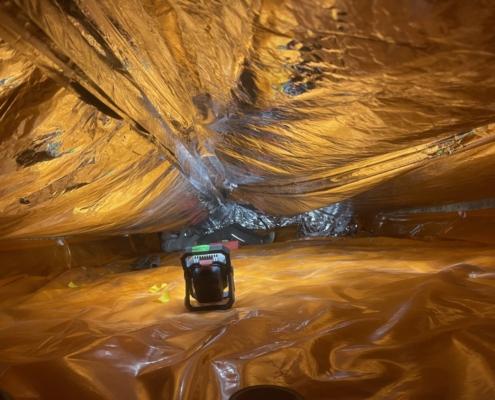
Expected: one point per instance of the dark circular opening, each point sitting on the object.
(266, 392)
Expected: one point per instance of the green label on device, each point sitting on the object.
(201, 247)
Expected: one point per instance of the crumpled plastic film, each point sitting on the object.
(334, 220)
(131, 116)
(286, 107)
(115, 54)
(346, 319)
(67, 168)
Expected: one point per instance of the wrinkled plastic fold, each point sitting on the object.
(69, 169)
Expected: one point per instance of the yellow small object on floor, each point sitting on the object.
(165, 297)
(72, 285)
(157, 288)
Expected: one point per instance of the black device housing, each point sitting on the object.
(207, 283)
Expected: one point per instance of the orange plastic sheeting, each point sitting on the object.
(473, 225)
(283, 106)
(445, 178)
(343, 319)
(47, 257)
(66, 168)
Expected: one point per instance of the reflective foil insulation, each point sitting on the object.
(361, 132)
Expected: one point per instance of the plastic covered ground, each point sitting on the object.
(332, 319)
